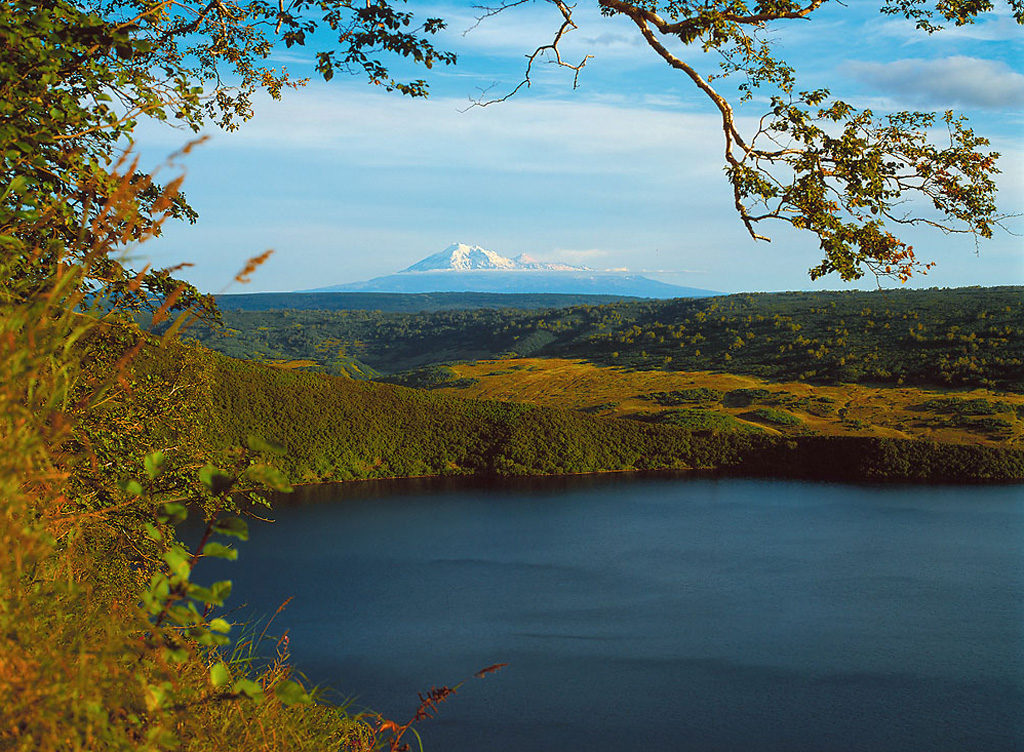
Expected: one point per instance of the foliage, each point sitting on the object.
(961, 406)
(775, 416)
(960, 337)
(684, 396)
(428, 377)
(76, 78)
(814, 161)
(337, 429)
(695, 419)
(744, 397)
(388, 302)
(110, 641)
(960, 12)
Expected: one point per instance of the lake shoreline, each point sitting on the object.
(469, 480)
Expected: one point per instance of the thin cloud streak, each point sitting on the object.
(957, 80)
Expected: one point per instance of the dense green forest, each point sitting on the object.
(938, 337)
(332, 428)
(337, 429)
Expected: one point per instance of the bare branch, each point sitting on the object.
(490, 11)
(545, 52)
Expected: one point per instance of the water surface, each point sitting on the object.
(660, 613)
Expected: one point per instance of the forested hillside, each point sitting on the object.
(334, 428)
(959, 337)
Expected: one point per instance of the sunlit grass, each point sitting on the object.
(846, 410)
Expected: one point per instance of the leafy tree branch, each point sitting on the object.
(76, 78)
(849, 176)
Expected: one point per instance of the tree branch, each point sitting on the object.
(566, 26)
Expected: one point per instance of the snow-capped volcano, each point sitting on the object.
(459, 257)
(470, 268)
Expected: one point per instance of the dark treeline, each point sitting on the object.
(960, 337)
(394, 302)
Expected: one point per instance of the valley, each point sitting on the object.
(959, 338)
(940, 365)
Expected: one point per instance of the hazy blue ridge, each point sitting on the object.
(395, 302)
(562, 282)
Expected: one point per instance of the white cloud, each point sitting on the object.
(544, 137)
(579, 257)
(349, 183)
(958, 80)
(997, 25)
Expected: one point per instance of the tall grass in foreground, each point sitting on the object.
(107, 640)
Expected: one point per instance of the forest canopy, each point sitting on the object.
(814, 161)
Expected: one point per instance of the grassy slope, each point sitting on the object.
(337, 429)
(847, 410)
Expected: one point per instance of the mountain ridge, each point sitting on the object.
(459, 257)
(468, 268)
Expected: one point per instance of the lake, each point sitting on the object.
(644, 613)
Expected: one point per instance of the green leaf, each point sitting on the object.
(220, 625)
(249, 688)
(152, 532)
(157, 695)
(216, 481)
(155, 464)
(131, 486)
(215, 595)
(203, 595)
(221, 590)
(183, 616)
(176, 655)
(219, 674)
(270, 477)
(17, 185)
(258, 499)
(291, 693)
(258, 444)
(178, 559)
(213, 640)
(172, 513)
(220, 551)
(232, 526)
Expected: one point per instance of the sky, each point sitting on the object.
(346, 182)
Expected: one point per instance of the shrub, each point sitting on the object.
(775, 416)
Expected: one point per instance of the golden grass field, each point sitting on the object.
(828, 410)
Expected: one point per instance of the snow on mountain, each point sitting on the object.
(522, 281)
(470, 268)
(459, 257)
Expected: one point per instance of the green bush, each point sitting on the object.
(774, 416)
(684, 396)
(744, 397)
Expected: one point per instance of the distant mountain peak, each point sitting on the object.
(460, 257)
(470, 268)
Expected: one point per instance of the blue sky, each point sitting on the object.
(347, 182)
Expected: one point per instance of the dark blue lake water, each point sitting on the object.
(659, 613)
